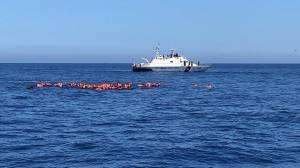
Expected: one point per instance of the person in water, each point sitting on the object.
(140, 85)
(210, 87)
(58, 84)
(148, 84)
(104, 86)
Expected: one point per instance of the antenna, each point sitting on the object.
(172, 52)
(157, 52)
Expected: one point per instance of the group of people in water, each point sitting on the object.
(109, 86)
(102, 86)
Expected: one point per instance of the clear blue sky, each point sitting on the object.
(213, 31)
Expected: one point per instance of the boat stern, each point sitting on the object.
(140, 68)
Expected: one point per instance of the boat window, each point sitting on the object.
(171, 61)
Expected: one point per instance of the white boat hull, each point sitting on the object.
(171, 69)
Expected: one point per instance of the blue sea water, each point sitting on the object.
(250, 119)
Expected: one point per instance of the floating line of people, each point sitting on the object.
(108, 86)
(101, 86)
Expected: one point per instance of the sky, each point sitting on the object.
(123, 31)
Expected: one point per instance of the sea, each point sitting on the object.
(251, 117)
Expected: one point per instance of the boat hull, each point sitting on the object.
(141, 69)
(170, 69)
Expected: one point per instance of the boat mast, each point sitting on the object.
(157, 52)
(172, 52)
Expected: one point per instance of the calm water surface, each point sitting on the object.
(250, 119)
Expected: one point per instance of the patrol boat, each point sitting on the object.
(170, 62)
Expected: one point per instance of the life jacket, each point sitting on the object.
(141, 85)
(148, 84)
(127, 86)
(39, 85)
